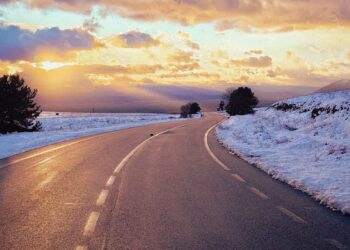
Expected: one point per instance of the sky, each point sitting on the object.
(105, 54)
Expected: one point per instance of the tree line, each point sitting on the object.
(235, 101)
(19, 111)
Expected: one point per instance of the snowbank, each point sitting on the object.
(303, 141)
(65, 126)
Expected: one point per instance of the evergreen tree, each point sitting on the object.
(240, 101)
(221, 106)
(18, 109)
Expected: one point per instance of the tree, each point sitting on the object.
(189, 109)
(240, 101)
(221, 106)
(194, 108)
(185, 110)
(18, 109)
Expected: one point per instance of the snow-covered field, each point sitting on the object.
(65, 126)
(311, 154)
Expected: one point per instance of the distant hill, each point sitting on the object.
(335, 86)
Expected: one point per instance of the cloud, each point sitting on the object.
(43, 44)
(180, 60)
(260, 62)
(254, 52)
(223, 25)
(189, 43)
(179, 56)
(279, 15)
(91, 25)
(134, 39)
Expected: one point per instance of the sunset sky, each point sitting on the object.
(141, 49)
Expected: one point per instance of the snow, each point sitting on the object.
(66, 126)
(310, 154)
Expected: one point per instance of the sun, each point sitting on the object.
(47, 65)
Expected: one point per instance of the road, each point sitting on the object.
(178, 189)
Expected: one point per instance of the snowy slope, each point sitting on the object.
(311, 154)
(335, 86)
(67, 126)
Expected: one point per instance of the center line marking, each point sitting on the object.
(93, 218)
(211, 152)
(132, 152)
(110, 181)
(91, 223)
(336, 244)
(102, 197)
(259, 193)
(292, 215)
(238, 177)
(81, 248)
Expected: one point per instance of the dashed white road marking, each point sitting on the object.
(102, 197)
(91, 223)
(336, 244)
(93, 218)
(110, 181)
(238, 178)
(81, 248)
(259, 193)
(211, 152)
(292, 215)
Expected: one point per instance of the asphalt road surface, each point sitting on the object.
(178, 189)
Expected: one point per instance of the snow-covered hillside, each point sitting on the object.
(303, 141)
(65, 126)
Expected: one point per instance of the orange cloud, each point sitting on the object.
(259, 62)
(180, 60)
(281, 15)
(134, 39)
(179, 56)
(189, 43)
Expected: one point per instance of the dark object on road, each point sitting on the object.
(151, 134)
(18, 109)
(189, 109)
(240, 101)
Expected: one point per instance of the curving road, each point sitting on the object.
(178, 189)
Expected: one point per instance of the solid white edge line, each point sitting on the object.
(292, 215)
(211, 152)
(91, 223)
(46, 151)
(102, 197)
